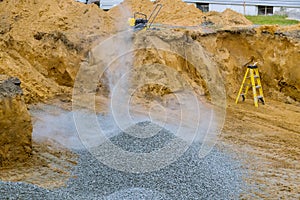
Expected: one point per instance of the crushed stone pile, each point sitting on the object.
(216, 176)
(9, 86)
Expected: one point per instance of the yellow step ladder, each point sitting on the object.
(251, 79)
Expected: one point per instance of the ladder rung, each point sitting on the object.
(249, 85)
(256, 76)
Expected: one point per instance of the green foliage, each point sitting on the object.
(271, 20)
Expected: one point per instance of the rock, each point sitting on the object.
(15, 123)
(289, 100)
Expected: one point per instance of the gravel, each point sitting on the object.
(217, 176)
(9, 86)
(140, 143)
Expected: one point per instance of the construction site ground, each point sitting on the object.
(62, 37)
(264, 139)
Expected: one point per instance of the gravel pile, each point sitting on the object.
(217, 176)
(159, 137)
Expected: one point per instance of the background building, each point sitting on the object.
(107, 4)
(250, 7)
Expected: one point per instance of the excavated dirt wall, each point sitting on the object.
(15, 123)
(230, 50)
(277, 56)
(43, 41)
(176, 50)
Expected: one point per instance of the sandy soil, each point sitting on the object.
(49, 166)
(47, 40)
(267, 139)
(46, 56)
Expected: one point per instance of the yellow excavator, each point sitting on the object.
(140, 21)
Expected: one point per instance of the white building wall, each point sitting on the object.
(290, 8)
(293, 9)
(293, 13)
(108, 4)
(286, 9)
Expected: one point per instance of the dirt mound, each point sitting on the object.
(227, 18)
(15, 123)
(75, 19)
(131, 6)
(173, 12)
(44, 42)
(291, 28)
(176, 12)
